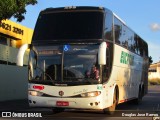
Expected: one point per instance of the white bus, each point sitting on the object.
(68, 43)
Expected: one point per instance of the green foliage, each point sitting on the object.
(150, 60)
(15, 8)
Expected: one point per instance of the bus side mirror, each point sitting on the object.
(102, 54)
(20, 54)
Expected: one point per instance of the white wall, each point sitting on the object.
(152, 75)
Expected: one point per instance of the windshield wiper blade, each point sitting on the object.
(73, 79)
(45, 74)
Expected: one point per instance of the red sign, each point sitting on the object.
(62, 103)
(39, 87)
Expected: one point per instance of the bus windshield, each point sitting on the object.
(66, 64)
(64, 25)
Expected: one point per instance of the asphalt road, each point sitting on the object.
(149, 107)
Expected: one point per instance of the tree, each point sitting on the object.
(150, 60)
(15, 8)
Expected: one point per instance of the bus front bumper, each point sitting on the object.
(75, 103)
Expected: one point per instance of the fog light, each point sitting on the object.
(34, 102)
(96, 103)
(91, 104)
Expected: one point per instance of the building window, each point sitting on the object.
(8, 41)
(3, 40)
(152, 70)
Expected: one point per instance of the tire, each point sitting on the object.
(138, 100)
(110, 110)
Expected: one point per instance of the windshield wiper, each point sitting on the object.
(73, 79)
(44, 73)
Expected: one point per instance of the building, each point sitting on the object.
(13, 81)
(154, 71)
(13, 34)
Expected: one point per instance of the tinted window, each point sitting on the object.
(125, 37)
(108, 27)
(121, 35)
(117, 31)
(131, 41)
(3, 40)
(69, 25)
(146, 49)
(64, 63)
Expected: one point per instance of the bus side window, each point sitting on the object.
(108, 32)
(117, 30)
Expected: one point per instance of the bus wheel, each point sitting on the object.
(110, 110)
(57, 110)
(139, 99)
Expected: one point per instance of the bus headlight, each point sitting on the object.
(35, 93)
(91, 94)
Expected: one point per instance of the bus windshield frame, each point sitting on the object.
(64, 64)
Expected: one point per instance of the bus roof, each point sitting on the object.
(75, 8)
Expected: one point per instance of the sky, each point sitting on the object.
(142, 16)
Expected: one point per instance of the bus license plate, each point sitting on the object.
(62, 103)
